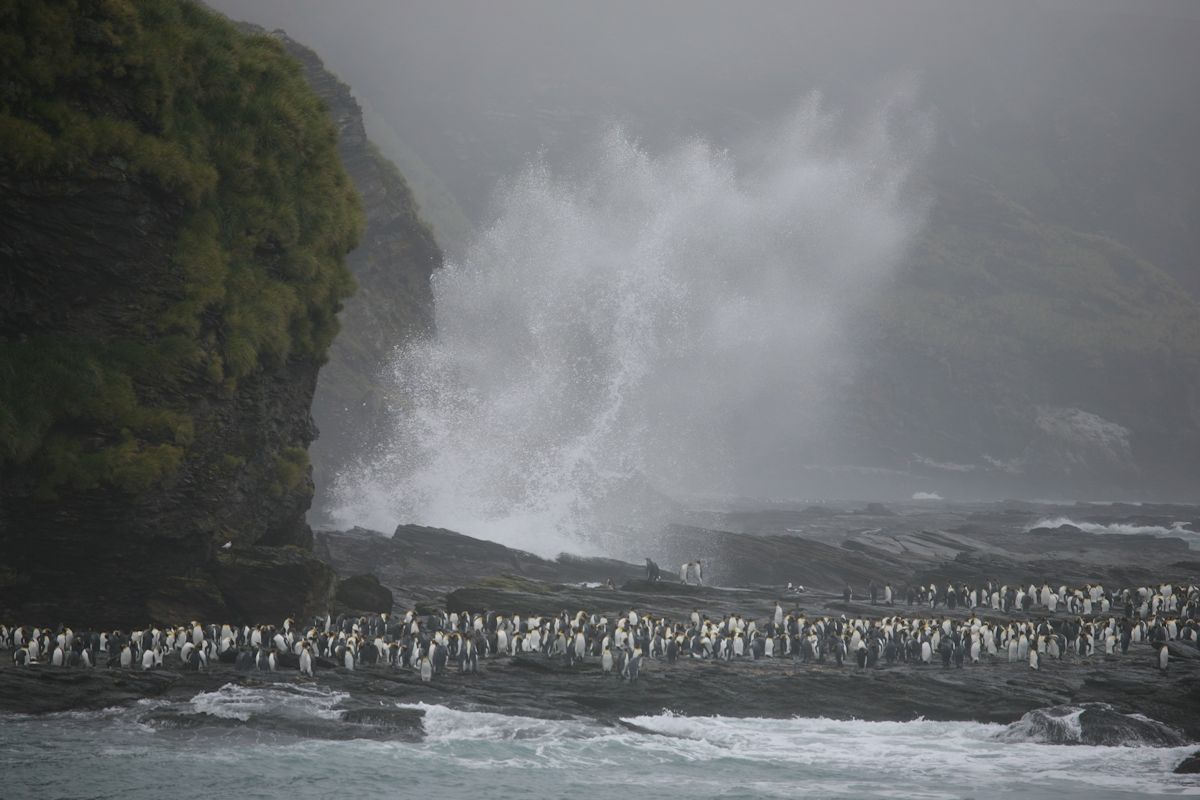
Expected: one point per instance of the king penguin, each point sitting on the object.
(306, 665)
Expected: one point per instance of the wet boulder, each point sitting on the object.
(364, 593)
(1190, 765)
(1092, 724)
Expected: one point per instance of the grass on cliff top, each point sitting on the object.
(175, 96)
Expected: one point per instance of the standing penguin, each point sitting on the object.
(426, 669)
(633, 666)
(502, 641)
(606, 661)
(306, 662)
(1163, 657)
(185, 653)
(1033, 658)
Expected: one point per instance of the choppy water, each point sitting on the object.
(243, 742)
(1177, 530)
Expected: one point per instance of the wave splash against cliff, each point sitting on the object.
(644, 325)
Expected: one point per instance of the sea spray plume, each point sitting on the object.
(618, 333)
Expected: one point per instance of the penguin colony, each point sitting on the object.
(1078, 623)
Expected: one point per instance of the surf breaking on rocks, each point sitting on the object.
(631, 329)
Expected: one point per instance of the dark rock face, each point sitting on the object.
(392, 265)
(1092, 724)
(1190, 765)
(363, 593)
(92, 256)
(273, 583)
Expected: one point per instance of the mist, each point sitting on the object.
(626, 328)
(1031, 283)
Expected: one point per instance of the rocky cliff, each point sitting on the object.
(174, 223)
(391, 266)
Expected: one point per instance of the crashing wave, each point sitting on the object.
(1178, 530)
(1091, 724)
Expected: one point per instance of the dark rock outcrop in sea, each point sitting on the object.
(1093, 724)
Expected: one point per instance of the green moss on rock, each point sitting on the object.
(171, 95)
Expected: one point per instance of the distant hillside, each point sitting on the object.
(1028, 355)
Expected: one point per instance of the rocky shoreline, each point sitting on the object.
(427, 569)
(532, 685)
(773, 688)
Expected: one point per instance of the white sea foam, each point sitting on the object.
(910, 753)
(444, 724)
(232, 701)
(483, 754)
(628, 331)
(1176, 529)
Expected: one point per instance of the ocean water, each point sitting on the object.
(252, 742)
(1176, 531)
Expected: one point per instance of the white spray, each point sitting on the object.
(619, 334)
